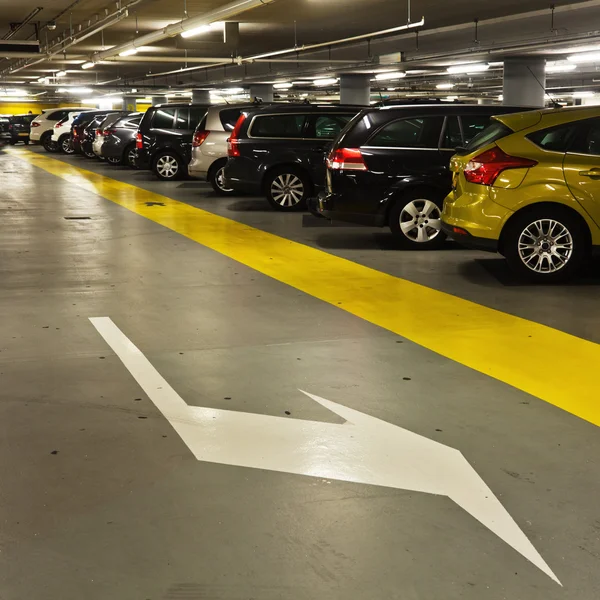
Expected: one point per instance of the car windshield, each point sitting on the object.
(490, 134)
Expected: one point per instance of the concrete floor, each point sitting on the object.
(100, 497)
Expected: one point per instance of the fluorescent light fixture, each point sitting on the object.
(61, 73)
(582, 94)
(585, 57)
(282, 86)
(444, 86)
(325, 82)
(451, 98)
(468, 68)
(75, 90)
(42, 80)
(87, 65)
(203, 29)
(560, 67)
(391, 89)
(234, 90)
(390, 75)
(301, 82)
(129, 52)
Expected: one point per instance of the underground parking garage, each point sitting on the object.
(299, 300)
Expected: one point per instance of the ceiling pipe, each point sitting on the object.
(220, 14)
(22, 24)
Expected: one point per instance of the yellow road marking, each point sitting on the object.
(549, 364)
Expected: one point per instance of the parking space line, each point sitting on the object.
(506, 347)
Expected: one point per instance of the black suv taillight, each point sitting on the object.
(233, 149)
(346, 159)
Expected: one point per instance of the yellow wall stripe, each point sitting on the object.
(550, 364)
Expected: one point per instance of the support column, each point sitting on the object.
(129, 103)
(158, 100)
(264, 91)
(355, 89)
(524, 81)
(200, 96)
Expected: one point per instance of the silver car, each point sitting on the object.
(99, 139)
(209, 148)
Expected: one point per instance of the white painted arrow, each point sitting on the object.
(362, 450)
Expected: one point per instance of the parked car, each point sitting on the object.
(278, 151)
(17, 129)
(528, 187)
(61, 132)
(79, 125)
(119, 140)
(209, 145)
(164, 139)
(390, 166)
(4, 130)
(102, 129)
(42, 125)
(89, 133)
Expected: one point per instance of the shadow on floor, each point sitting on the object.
(479, 270)
(363, 239)
(251, 205)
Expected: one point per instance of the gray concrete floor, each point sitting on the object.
(123, 509)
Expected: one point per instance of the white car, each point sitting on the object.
(42, 126)
(61, 132)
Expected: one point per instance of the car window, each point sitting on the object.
(582, 137)
(196, 115)
(57, 115)
(163, 118)
(473, 125)
(421, 132)
(329, 126)
(278, 126)
(229, 117)
(182, 119)
(452, 134)
(494, 132)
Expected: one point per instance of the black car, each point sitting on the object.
(79, 125)
(119, 140)
(16, 128)
(390, 166)
(4, 130)
(279, 151)
(90, 130)
(164, 139)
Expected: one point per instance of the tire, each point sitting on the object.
(287, 189)
(113, 160)
(168, 166)
(89, 154)
(415, 220)
(49, 145)
(129, 156)
(64, 144)
(215, 178)
(26, 142)
(546, 245)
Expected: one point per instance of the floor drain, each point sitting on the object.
(77, 218)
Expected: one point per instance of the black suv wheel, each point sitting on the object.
(167, 166)
(548, 244)
(415, 220)
(287, 189)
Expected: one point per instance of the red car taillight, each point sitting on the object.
(139, 144)
(233, 143)
(98, 131)
(107, 132)
(485, 168)
(346, 159)
(199, 138)
(34, 124)
(75, 133)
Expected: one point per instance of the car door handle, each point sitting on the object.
(591, 173)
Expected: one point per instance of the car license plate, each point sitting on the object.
(23, 134)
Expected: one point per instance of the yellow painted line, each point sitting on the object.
(549, 364)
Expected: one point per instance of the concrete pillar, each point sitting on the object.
(264, 91)
(355, 89)
(158, 100)
(524, 81)
(129, 103)
(200, 96)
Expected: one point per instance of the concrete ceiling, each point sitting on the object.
(448, 35)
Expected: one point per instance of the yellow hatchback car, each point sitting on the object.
(528, 187)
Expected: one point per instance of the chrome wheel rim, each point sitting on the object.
(113, 160)
(220, 180)
(287, 190)
(167, 166)
(545, 246)
(131, 156)
(420, 221)
(66, 146)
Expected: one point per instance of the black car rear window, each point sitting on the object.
(229, 117)
(492, 133)
(163, 118)
(278, 126)
(473, 125)
(418, 132)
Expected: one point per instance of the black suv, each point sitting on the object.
(279, 151)
(18, 127)
(164, 139)
(80, 134)
(390, 166)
